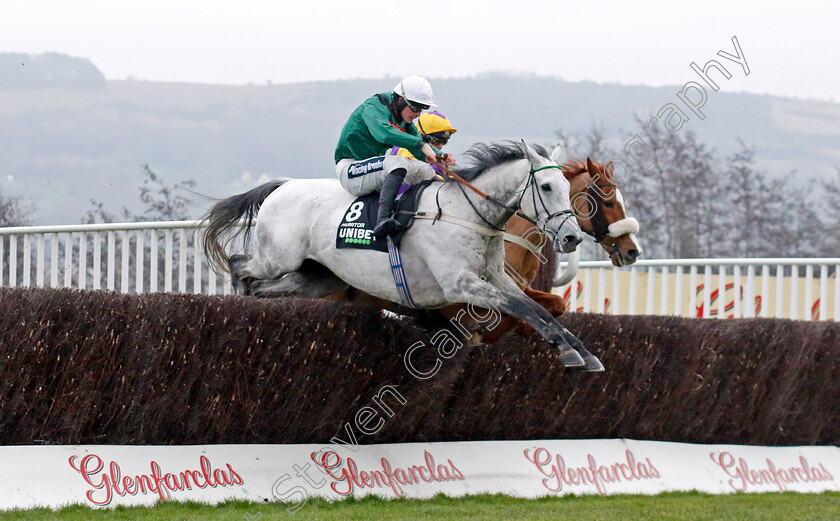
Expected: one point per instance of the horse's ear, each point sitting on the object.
(589, 166)
(530, 153)
(608, 169)
(557, 153)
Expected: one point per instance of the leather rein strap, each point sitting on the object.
(484, 196)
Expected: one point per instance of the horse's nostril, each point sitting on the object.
(633, 253)
(572, 239)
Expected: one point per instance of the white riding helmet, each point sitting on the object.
(416, 89)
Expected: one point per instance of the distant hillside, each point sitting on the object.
(64, 144)
(48, 70)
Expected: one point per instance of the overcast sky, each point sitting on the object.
(792, 48)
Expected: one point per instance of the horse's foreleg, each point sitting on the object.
(490, 335)
(545, 324)
(513, 301)
(554, 304)
(506, 325)
(477, 335)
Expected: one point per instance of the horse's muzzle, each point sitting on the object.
(567, 243)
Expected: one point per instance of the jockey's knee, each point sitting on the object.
(353, 186)
(416, 170)
(392, 163)
(422, 171)
(358, 182)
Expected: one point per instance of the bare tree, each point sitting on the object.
(162, 201)
(592, 144)
(830, 245)
(759, 211)
(15, 212)
(678, 192)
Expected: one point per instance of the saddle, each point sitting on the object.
(356, 227)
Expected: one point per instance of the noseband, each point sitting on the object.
(535, 193)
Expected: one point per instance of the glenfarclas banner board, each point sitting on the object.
(109, 475)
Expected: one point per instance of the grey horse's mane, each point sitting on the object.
(483, 156)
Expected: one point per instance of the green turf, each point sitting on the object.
(664, 507)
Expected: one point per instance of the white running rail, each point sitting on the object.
(126, 257)
(163, 256)
(800, 289)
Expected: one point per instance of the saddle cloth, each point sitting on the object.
(356, 227)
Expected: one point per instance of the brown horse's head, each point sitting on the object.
(600, 209)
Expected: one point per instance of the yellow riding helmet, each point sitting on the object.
(434, 122)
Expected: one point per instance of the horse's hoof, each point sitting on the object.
(572, 340)
(571, 358)
(593, 365)
(257, 289)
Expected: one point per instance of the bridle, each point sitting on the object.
(517, 209)
(600, 228)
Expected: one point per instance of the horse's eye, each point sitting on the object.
(546, 187)
(609, 204)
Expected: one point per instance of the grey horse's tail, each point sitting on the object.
(227, 218)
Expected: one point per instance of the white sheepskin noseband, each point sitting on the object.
(623, 227)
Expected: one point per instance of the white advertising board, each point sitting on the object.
(111, 475)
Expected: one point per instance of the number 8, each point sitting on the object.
(355, 211)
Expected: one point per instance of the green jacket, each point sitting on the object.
(372, 130)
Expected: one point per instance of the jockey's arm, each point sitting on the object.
(429, 152)
(408, 154)
(432, 153)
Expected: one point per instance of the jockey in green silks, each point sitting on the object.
(384, 121)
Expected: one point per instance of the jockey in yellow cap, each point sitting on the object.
(435, 129)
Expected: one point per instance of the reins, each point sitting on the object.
(514, 211)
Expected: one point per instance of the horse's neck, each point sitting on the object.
(504, 182)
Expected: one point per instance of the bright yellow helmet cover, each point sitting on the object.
(431, 122)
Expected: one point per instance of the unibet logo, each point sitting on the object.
(355, 235)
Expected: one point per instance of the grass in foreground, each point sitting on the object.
(681, 506)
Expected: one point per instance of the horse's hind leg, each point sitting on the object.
(269, 262)
(301, 283)
(237, 265)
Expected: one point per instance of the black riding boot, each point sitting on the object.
(386, 224)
